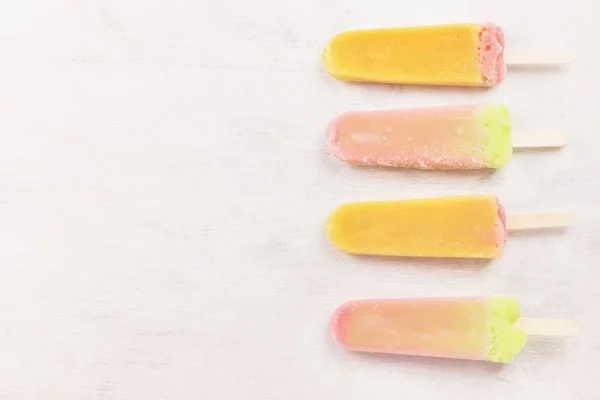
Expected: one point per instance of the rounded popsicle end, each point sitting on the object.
(490, 54)
(332, 137)
(332, 227)
(327, 57)
(337, 227)
(332, 57)
(337, 324)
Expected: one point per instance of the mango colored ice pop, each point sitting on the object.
(473, 328)
(456, 54)
(473, 226)
(461, 226)
(453, 137)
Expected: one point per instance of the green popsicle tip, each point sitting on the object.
(497, 145)
(506, 341)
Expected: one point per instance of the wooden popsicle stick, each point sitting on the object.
(516, 222)
(524, 140)
(526, 57)
(547, 327)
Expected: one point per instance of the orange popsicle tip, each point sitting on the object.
(326, 56)
(334, 228)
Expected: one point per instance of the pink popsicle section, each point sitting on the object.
(437, 137)
(501, 227)
(490, 54)
(448, 328)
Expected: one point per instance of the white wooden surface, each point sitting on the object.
(164, 183)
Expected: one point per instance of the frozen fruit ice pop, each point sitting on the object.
(474, 328)
(458, 226)
(454, 54)
(451, 137)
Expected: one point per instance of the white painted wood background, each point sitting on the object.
(164, 184)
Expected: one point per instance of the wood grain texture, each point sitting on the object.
(164, 184)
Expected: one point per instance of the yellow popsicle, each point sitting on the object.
(454, 54)
(458, 226)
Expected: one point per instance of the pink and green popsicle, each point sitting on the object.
(472, 328)
(450, 137)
